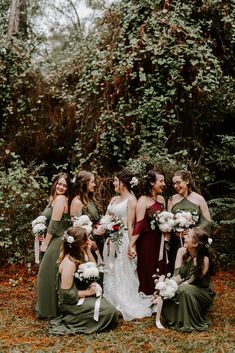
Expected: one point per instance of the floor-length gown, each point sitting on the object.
(121, 284)
(187, 311)
(47, 305)
(148, 248)
(76, 318)
(175, 243)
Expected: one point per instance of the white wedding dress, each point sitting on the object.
(121, 282)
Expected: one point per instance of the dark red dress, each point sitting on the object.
(147, 247)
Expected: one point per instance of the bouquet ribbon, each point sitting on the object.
(98, 295)
(161, 251)
(36, 249)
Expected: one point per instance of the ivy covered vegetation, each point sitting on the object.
(152, 84)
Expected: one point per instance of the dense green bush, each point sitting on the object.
(22, 198)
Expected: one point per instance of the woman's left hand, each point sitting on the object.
(166, 236)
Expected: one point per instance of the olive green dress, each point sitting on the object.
(79, 318)
(200, 221)
(47, 306)
(187, 311)
(92, 212)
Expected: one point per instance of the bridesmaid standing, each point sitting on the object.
(146, 242)
(186, 199)
(57, 214)
(83, 203)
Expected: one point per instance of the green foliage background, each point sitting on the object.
(153, 84)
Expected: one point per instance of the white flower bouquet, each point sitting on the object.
(184, 219)
(87, 272)
(164, 221)
(84, 222)
(39, 227)
(166, 288)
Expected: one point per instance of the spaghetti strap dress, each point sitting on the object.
(188, 310)
(121, 284)
(148, 248)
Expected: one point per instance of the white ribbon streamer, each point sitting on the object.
(160, 257)
(36, 249)
(98, 295)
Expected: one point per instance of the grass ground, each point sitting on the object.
(21, 332)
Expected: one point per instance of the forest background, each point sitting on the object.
(142, 84)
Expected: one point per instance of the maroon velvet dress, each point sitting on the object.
(147, 247)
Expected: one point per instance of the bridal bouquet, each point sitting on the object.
(39, 227)
(84, 222)
(184, 219)
(113, 227)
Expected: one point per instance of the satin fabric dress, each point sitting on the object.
(187, 311)
(47, 305)
(75, 318)
(121, 284)
(148, 248)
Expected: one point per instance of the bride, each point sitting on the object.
(121, 282)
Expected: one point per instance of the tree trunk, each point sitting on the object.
(17, 18)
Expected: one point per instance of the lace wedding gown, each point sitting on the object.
(121, 282)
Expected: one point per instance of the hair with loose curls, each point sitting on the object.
(75, 249)
(125, 176)
(186, 176)
(55, 179)
(203, 249)
(148, 180)
(80, 188)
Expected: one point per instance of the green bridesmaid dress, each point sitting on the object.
(175, 244)
(47, 306)
(187, 311)
(80, 318)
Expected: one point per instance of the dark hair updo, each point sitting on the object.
(148, 180)
(125, 176)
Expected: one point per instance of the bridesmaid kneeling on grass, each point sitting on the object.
(195, 263)
(75, 318)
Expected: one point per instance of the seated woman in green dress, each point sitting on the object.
(195, 263)
(78, 300)
(186, 199)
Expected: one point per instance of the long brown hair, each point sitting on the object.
(75, 249)
(80, 187)
(55, 180)
(203, 249)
